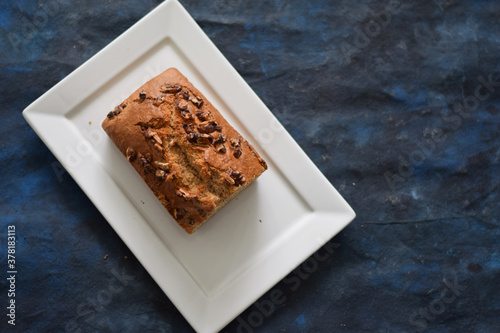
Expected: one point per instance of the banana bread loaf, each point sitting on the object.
(184, 150)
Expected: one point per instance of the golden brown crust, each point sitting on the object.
(185, 151)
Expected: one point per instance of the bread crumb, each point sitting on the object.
(105, 256)
(90, 123)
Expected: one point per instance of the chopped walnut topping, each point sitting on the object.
(219, 144)
(235, 142)
(237, 152)
(160, 174)
(171, 89)
(179, 213)
(145, 162)
(188, 128)
(220, 148)
(238, 178)
(201, 139)
(158, 147)
(182, 105)
(197, 101)
(157, 138)
(234, 177)
(192, 137)
(205, 139)
(203, 116)
(115, 112)
(209, 127)
(220, 139)
(148, 156)
(184, 95)
(142, 95)
(228, 178)
(159, 100)
(162, 165)
(131, 154)
(149, 133)
(183, 194)
(142, 160)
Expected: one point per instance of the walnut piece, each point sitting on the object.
(209, 127)
(197, 101)
(219, 144)
(182, 105)
(192, 137)
(200, 139)
(188, 128)
(149, 133)
(186, 115)
(157, 138)
(202, 115)
(220, 148)
(142, 95)
(171, 89)
(235, 177)
(131, 154)
(237, 152)
(185, 195)
(115, 112)
(159, 100)
(160, 174)
(184, 94)
(158, 147)
(236, 144)
(162, 165)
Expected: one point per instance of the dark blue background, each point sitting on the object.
(377, 114)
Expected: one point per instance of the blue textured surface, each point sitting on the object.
(376, 111)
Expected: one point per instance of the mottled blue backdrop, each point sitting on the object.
(397, 102)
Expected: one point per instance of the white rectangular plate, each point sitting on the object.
(251, 244)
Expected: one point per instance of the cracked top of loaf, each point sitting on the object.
(185, 151)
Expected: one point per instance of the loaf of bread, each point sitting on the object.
(184, 150)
